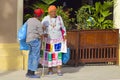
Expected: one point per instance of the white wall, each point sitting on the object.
(19, 13)
(117, 14)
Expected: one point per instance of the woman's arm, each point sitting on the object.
(63, 28)
(45, 25)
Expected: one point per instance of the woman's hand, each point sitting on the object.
(64, 38)
(44, 28)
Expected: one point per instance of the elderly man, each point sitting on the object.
(34, 33)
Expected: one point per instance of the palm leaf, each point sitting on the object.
(101, 19)
(48, 2)
(106, 13)
(107, 5)
(97, 6)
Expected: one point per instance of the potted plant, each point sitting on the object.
(96, 40)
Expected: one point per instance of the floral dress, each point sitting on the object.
(53, 47)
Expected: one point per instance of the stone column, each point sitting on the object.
(20, 7)
(117, 14)
(10, 17)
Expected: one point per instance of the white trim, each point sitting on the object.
(116, 14)
(19, 13)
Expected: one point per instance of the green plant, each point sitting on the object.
(27, 16)
(65, 16)
(81, 16)
(48, 2)
(102, 11)
(44, 4)
(95, 17)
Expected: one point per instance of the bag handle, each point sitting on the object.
(60, 22)
(62, 31)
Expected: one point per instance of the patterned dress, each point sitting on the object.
(53, 47)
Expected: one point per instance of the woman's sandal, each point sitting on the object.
(50, 73)
(59, 74)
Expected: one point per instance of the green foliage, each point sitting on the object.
(40, 5)
(48, 2)
(82, 15)
(44, 4)
(65, 16)
(95, 17)
(27, 16)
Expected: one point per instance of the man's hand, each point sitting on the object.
(41, 37)
(45, 35)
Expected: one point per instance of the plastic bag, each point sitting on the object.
(66, 56)
(22, 32)
(64, 47)
(23, 45)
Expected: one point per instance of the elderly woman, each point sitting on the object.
(56, 35)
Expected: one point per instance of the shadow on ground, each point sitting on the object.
(6, 73)
(65, 69)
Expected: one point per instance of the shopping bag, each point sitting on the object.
(23, 45)
(66, 56)
(22, 32)
(64, 47)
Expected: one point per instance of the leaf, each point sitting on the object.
(65, 16)
(107, 24)
(27, 16)
(40, 5)
(101, 19)
(97, 6)
(107, 5)
(48, 2)
(105, 13)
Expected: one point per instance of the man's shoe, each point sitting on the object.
(32, 76)
(28, 74)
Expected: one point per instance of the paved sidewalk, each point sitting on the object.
(71, 73)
